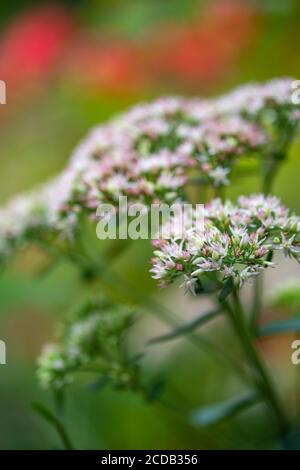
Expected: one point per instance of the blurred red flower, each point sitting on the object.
(32, 46)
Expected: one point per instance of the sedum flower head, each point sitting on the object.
(39, 215)
(270, 105)
(149, 153)
(253, 100)
(145, 154)
(237, 241)
(93, 336)
(21, 220)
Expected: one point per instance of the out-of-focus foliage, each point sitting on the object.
(288, 296)
(92, 338)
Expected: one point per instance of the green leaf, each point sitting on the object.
(280, 327)
(227, 288)
(212, 414)
(187, 327)
(46, 414)
(43, 411)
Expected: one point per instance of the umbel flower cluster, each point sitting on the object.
(237, 242)
(150, 153)
(270, 104)
(92, 337)
(22, 219)
(33, 217)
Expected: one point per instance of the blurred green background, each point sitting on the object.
(69, 65)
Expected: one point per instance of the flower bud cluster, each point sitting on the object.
(91, 338)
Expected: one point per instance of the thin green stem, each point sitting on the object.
(257, 301)
(163, 313)
(59, 401)
(270, 172)
(262, 379)
(112, 279)
(64, 437)
(220, 192)
(46, 414)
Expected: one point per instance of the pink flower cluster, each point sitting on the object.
(252, 100)
(20, 219)
(237, 242)
(149, 153)
(274, 106)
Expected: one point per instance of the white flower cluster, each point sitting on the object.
(237, 242)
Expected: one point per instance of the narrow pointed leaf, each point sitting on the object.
(45, 413)
(212, 414)
(280, 327)
(187, 327)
